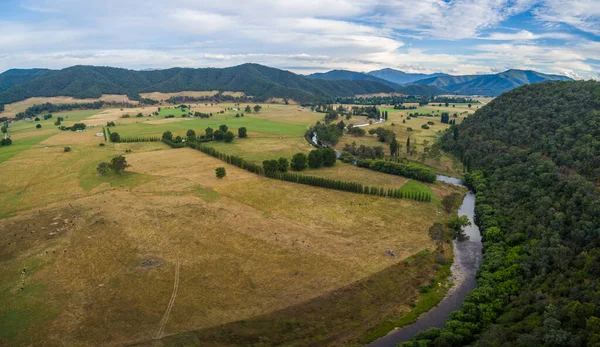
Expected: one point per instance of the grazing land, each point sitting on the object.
(86, 259)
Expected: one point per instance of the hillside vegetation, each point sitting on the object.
(259, 81)
(533, 155)
(491, 85)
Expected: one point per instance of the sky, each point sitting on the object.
(305, 36)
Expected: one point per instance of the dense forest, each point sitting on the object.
(533, 155)
(259, 81)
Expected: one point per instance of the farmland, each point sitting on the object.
(88, 258)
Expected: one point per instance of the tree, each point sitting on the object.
(218, 135)
(37, 119)
(39, 126)
(103, 168)
(451, 201)
(119, 164)
(248, 109)
(329, 156)
(394, 148)
(408, 145)
(242, 132)
(220, 172)
(270, 166)
(167, 135)
(67, 149)
(283, 164)
(223, 128)
(115, 137)
(456, 226)
(5, 127)
(191, 135)
(257, 108)
(436, 233)
(299, 162)
(228, 136)
(315, 159)
(209, 133)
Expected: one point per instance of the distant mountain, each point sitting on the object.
(490, 85)
(401, 77)
(260, 81)
(345, 75)
(340, 75)
(15, 77)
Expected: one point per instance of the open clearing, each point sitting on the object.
(87, 259)
(10, 110)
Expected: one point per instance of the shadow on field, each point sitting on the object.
(346, 315)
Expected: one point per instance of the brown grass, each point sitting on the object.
(247, 245)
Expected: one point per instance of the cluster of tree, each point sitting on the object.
(48, 107)
(364, 152)
(272, 166)
(111, 124)
(367, 111)
(202, 115)
(321, 157)
(534, 162)
(356, 131)
(249, 109)
(117, 164)
(408, 170)
(213, 99)
(404, 107)
(327, 134)
(453, 100)
(383, 100)
(74, 127)
(58, 120)
(383, 135)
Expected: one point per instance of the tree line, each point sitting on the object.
(274, 170)
(409, 170)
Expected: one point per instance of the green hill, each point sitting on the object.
(15, 77)
(533, 159)
(259, 81)
(339, 75)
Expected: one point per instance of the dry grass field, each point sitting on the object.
(12, 109)
(88, 260)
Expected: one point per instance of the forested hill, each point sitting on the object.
(256, 80)
(16, 77)
(533, 155)
(491, 85)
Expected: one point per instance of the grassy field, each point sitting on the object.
(86, 259)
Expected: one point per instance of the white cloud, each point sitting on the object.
(524, 35)
(582, 14)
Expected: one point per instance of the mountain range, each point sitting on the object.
(488, 85)
(259, 81)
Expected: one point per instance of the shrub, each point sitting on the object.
(299, 162)
(67, 149)
(220, 172)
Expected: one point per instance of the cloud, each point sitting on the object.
(455, 36)
(524, 35)
(582, 14)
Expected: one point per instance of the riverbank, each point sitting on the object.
(467, 258)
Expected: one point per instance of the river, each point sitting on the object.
(467, 258)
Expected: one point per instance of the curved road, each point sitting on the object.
(467, 257)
